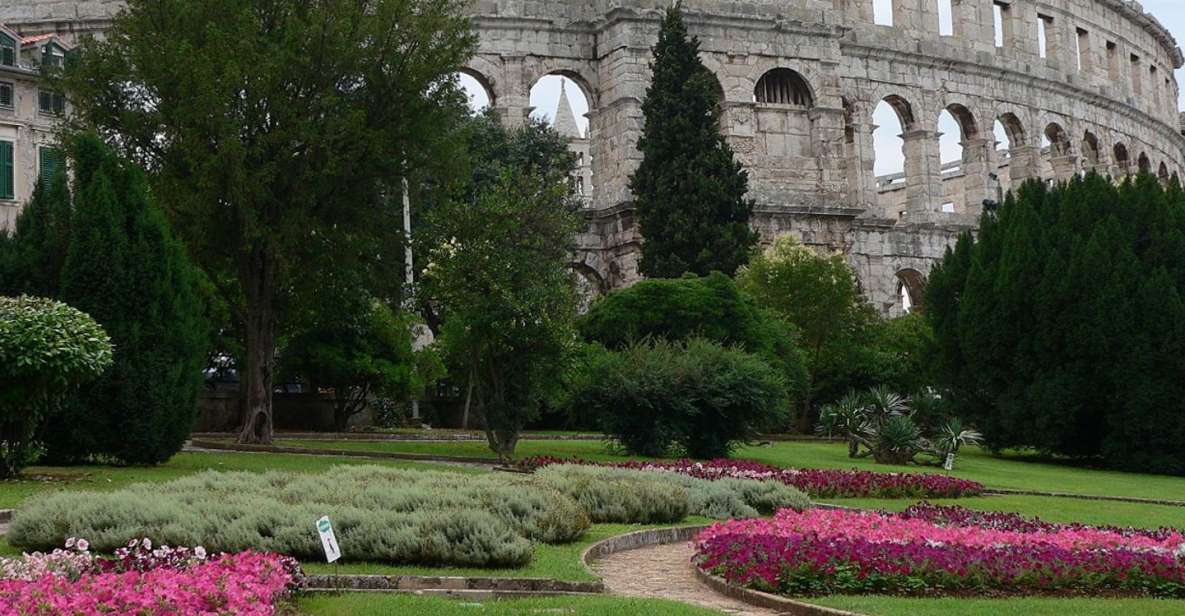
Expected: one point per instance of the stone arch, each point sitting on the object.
(482, 80)
(964, 157)
(784, 86)
(965, 119)
(1122, 160)
(911, 289)
(590, 283)
(1059, 139)
(1162, 172)
(904, 111)
(1014, 129)
(1143, 163)
(547, 68)
(1090, 151)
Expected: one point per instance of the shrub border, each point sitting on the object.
(348, 453)
(781, 605)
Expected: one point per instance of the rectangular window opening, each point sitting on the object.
(7, 95)
(1137, 80)
(882, 12)
(946, 18)
(51, 102)
(999, 13)
(1044, 35)
(1112, 61)
(1083, 49)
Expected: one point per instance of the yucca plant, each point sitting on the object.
(897, 440)
(951, 436)
(847, 417)
(882, 403)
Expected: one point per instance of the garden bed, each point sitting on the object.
(817, 483)
(934, 551)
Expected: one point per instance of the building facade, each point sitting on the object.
(1077, 85)
(28, 115)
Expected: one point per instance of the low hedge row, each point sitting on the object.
(388, 515)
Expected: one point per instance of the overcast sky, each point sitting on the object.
(889, 159)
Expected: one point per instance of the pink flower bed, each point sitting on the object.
(818, 483)
(832, 551)
(144, 581)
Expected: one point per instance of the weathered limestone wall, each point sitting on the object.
(1103, 97)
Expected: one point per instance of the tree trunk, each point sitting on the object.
(468, 399)
(258, 279)
(853, 447)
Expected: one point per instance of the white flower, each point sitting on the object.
(200, 552)
(1180, 553)
(83, 545)
(70, 543)
(147, 543)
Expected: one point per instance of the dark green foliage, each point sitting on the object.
(46, 349)
(124, 267)
(688, 189)
(290, 127)
(712, 307)
(359, 351)
(1062, 326)
(31, 256)
(698, 395)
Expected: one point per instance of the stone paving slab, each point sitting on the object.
(666, 572)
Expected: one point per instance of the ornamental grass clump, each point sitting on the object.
(379, 514)
(818, 552)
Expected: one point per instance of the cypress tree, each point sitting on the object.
(1070, 323)
(124, 268)
(688, 190)
(31, 257)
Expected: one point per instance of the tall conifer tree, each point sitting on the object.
(689, 191)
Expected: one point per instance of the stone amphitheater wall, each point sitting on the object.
(1104, 86)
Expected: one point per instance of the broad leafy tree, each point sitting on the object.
(819, 295)
(498, 274)
(276, 133)
(1060, 327)
(689, 190)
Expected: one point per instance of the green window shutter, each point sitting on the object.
(7, 171)
(6, 95)
(50, 163)
(7, 51)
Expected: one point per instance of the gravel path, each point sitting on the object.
(666, 572)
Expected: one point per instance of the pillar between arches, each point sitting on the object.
(923, 175)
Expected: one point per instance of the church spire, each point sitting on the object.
(565, 118)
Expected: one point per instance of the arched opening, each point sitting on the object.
(782, 86)
(590, 285)
(564, 103)
(1055, 143)
(892, 118)
(477, 88)
(1122, 160)
(1162, 173)
(1143, 163)
(911, 290)
(1090, 151)
(1009, 133)
(962, 167)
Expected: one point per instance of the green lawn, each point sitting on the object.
(41, 479)
(896, 606)
(560, 562)
(385, 605)
(993, 471)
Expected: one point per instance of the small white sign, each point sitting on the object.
(950, 462)
(328, 540)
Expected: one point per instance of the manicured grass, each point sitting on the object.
(558, 562)
(1006, 471)
(1048, 508)
(384, 605)
(896, 606)
(42, 479)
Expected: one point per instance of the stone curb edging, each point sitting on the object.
(1094, 497)
(443, 437)
(422, 583)
(349, 453)
(782, 605)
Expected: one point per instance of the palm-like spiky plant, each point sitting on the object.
(848, 417)
(953, 435)
(883, 403)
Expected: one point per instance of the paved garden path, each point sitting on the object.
(666, 572)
